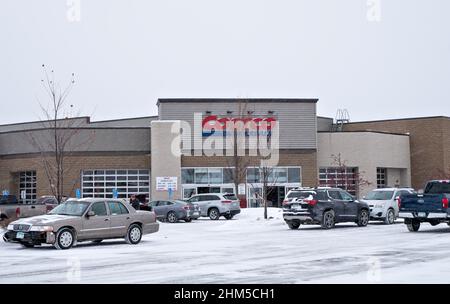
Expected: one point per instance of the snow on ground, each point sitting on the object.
(247, 249)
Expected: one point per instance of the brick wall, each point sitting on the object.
(429, 144)
(9, 167)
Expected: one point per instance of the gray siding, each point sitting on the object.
(297, 120)
(85, 140)
(141, 122)
(324, 124)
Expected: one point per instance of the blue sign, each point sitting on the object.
(5, 192)
(170, 192)
(78, 193)
(115, 193)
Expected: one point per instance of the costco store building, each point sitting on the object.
(136, 156)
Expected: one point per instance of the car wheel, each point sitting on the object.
(65, 239)
(413, 225)
(134, 234)
(390, 217)
(363, 218)
(294, 225)
(228, 216)
(214, 214)
(188, 220)
(328, 219)
(172, 217)
(25, 245)
(97, 241)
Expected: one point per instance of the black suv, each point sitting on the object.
(325, 207)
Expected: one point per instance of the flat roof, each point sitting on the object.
(365, 131)
(252, 100)
(400, 119)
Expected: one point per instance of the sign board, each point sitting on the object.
(241, 189)
(164, 183)
(23, 194)
(78, 193)
(5, 192)
(254, 126)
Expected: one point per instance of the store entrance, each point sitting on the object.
(275, 196)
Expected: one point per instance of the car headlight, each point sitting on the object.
(10, 227)
(41, 228)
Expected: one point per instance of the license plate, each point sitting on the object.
(296, 207)
(421, 214)
(20, 235)
(195, 213)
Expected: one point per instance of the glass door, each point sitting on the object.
(254, 196)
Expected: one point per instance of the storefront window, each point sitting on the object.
(253, 175)
(215, 176)
(294, 175)
(187, 176)
(201, 176)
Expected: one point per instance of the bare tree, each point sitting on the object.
(266, 180)
(342, 170)
(60, 134)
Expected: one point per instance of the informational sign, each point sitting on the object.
(115, 193)
(78, 193)
(241, 189)
(164, 183)
(5, 192)
(23, 194)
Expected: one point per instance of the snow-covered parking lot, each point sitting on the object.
(246, 249)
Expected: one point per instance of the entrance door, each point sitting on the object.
(188, 192)
(275, 196)
(254, 196)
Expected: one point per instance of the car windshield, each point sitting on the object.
(75, 208)
(438, 188)
(379, 195)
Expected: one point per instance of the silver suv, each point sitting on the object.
(215, 205)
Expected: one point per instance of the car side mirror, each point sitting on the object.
(90, 213)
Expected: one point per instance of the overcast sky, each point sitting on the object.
(126, 54)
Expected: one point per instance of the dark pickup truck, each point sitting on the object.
(431, 206)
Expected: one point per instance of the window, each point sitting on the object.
(201, 176)
(253, 175)
(294, 175)
(116, 208)
(187, 176)
(334, 194)
(381, 178)
(344, 178)
(101, 183)
(27, 187)
(346, 196)
(99, 209)
(215, 176)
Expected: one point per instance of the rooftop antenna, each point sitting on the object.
(342, 117)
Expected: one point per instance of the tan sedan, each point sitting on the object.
(89, 219)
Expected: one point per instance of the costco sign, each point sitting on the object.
(225, 126)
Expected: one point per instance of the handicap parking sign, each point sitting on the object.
(115, 193)
(78, 193)
(5, 192)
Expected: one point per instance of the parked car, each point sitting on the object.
(175, 210)
(431, 206)
(89, 219)
(383, 203)
(11, 208)
(215, 205)
(325, 207)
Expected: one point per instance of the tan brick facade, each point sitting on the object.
(9, 167)
(307, 159)
(429, 144)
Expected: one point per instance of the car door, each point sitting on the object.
(98, 225)
(200, 202)
(337, 204)
(350, 206)
(120, 219)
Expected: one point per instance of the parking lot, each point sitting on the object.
(246, 249)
